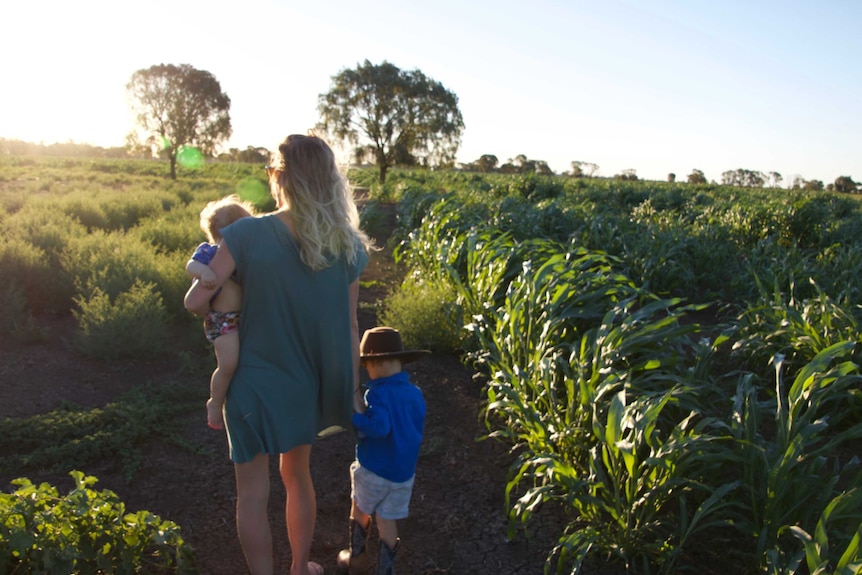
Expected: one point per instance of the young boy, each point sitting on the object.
(389, 433)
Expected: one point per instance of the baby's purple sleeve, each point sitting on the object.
(204, 253)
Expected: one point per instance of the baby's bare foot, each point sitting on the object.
(214, 415)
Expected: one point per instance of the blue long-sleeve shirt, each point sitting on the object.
(390, 430)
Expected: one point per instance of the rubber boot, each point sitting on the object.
(386, 558)
(354, 559)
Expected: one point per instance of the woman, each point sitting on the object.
(298, 371)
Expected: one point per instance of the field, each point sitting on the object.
(661, 365)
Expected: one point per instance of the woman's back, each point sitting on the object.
(295, 340)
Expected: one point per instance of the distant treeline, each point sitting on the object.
(69, 149)
(252, 154)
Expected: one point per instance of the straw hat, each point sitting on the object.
(385, 342)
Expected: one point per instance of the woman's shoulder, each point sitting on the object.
(243, 225)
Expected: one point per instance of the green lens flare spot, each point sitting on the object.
(190, 157)
(253, 190)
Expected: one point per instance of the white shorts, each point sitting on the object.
(377, 496)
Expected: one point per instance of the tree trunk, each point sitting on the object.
(383, 167)
(173, 157)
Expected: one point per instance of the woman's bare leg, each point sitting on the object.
(252, 521)
(300, 506)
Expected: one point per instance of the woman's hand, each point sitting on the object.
(359, 401)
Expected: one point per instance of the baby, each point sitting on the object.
(221, 324)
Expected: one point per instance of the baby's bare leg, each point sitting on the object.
(227, 355)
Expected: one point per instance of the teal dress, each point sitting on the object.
(295, 372)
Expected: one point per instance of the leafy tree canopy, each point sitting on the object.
(845, 184)
(178, 107)
(521, 164)
(396, 117)
(743, 178)
(628, 174)
(584, 169)
(251, 155)
(696, 177)
(486, 163)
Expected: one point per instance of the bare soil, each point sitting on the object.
(457, 520)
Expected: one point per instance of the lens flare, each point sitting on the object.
(190, 157)
(254, 191)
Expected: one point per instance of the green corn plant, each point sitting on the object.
(607, 425)
(436, 246)
(797, 328)
(820, 556)
(791, 476)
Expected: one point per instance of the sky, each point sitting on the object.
(655, 86)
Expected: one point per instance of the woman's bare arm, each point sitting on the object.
(198, 297)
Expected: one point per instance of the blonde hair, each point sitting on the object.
(222, 212)
(311, 187)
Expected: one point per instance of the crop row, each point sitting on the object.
(670, 442)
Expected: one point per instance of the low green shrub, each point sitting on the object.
(113, 262)
(426, 314)
(35, 244)
(16, 319)
(133, 324)
(86, 210)
(176, 230)
(40, 224)
(27, 267)
(372, 218)
(126, 214)
(85, 531)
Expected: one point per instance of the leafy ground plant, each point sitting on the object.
(85, 531)
(72, 436)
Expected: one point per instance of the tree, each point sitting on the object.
(485, 164)
(179, 107)
(523, 164)
(587, 169)
(398, 117)
(251, 155)
(509, 168)
(543, 169)
(775, 179)
(743, 178)
(845, 184)
(696, 177)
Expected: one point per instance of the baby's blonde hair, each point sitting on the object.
(222, 212)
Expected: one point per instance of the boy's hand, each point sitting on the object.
(208, 279)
